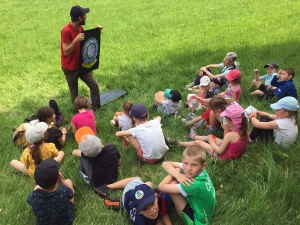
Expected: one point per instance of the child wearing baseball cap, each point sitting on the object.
(193, 100)
(141, 203)
(98, 163)
(37, 151)
(281, 126)
(272, 71)
(234, 142)
(234, 89)
(167, 102)
(146, 137)
(51, 205)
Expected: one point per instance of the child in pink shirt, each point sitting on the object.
(84, 117)
(234, 89)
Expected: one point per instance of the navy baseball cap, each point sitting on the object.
(139, 111)
(77, 11)
(141, 196)
(46, 173)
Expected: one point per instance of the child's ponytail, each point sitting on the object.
(243, 130)
(36, 152)
(127, 105)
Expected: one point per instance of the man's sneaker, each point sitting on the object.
(103, 190)
(250, 109)
(113, 203)
(84, 177)
(113, 123)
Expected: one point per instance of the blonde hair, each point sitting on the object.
(195, 152)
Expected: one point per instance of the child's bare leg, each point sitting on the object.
(122, 183)
(256, 83)
(213, 119)
(179, 202)
(149, 183)
(16, 164)
(205, 146)
(60, 156)
(257, 92)
(201, 138)
(160, 95)
(76, 152)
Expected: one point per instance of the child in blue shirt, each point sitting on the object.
(51, 205)
(272, 69)
(283, 85)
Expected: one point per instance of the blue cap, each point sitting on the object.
(168, 93)
(288, 103)
(141, 196)
(139, 111)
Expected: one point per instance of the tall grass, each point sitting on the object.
(146, 47)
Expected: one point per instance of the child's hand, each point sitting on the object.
(254, 114)
(184, 180)
(60, 179)
(256, 71)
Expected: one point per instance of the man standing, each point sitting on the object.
(71, 36)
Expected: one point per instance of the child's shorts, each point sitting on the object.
(139, 152)
(205, 115)
(131, 185)
(188, 214)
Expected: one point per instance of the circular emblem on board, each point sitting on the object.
(90, 50)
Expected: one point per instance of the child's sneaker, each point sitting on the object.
(189, 85)
(84, 177)
(193, 133)
(113, 203)
(193, 105)
(113, 123)
(250, 109)
(103, 190)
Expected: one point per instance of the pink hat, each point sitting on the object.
(236, 113)
(233, 75)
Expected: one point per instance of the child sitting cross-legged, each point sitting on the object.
(99, 164)
(272, 69)
(147, 137)
(234, 89)
(124, 121)
(192, 191)
(141, 203)
(37, 151)
(234, 142)
(55, 135)
(84, 117)
(51, 205)
(281, 126)
(167, 102)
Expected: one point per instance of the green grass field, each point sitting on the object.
(148, 46)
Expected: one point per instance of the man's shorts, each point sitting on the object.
(131, 185)
(139, 152)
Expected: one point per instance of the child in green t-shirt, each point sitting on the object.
(192, 191)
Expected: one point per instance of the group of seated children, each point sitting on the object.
(187, 186)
